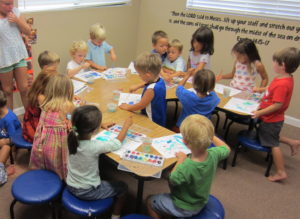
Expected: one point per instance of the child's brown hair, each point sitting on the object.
(204, 81)
(148, 62)
(290, 57)
(48, 58)
(157, 35)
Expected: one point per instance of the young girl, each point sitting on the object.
(202, 48)
(246, 67)
(36, 96)
(49, 149)
(78, 52)
(201, 101)
(83, 178)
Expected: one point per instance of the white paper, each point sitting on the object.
(89, 75)
(79, 86)
(132, 69)
(241, 105)
(167, 146)
(129, 98)
(115, 73)
(219, 89)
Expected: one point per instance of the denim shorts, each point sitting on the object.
(20, 64)
(163, 204)
(104, 190)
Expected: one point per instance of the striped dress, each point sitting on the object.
(50, 147)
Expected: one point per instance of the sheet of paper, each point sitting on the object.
(167, 146)
(115, 73)
(89, 75)
(79, 86)
(242, 105)
(132, 69)
(129, 98)
(131, 134)
(219, 89)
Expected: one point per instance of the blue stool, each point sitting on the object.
(212, 210)
(249, 140)
(136, 216)
(238, 119)
(18, 141)
(36, 187)
(85, 208)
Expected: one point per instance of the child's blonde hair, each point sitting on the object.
(48, 58)
(204, 81)
(97, 32)
(78, 46)
(157, 35)
(177, 44)
(197, 131)
(147, 62)
(58, 94)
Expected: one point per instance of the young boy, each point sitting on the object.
(192, 176)
(274, 104)
(160, 44)
(9, 126)
(48, 61)
(98, 47)
(153, 102)
(78, 52)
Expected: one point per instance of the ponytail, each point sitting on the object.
(72, 142)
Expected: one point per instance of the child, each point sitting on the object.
(273, 105)
(174, 64)
(9, 126)
(247, 66)
(83, 178)
(48, 61)
(153, 102)
(49, 149)
(98, 47)
(203, 102)
(191, 178)
(160, 44)
(36, 96)
(78, 52)
(202, 48)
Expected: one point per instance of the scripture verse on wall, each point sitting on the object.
(261, 32)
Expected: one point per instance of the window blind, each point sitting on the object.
(47, 5)
(283, 9)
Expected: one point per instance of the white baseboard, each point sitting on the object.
(19, 111)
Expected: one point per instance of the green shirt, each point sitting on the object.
(191, 181)
(83, 170)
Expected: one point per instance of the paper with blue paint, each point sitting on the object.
(129, 98)
(86, 76)
(242, 105)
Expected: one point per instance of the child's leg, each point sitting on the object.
(151, 212)
(293, 143)
(4, 153)
(279, 164)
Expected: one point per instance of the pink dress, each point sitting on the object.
(243, 79)
(50, 147)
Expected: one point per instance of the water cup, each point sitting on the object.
(226, 92)
(116, 95)
(112, 107)
(90, 80)
(146, 146)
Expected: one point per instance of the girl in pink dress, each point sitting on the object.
(50, 149)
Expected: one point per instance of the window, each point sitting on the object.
(47, 5)
(285, 9)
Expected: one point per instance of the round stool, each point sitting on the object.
(212, 210)
(83, 207)
(19, 142)
(36, 187)
(136, 216)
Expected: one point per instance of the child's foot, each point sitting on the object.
(10, 170)
(295, 144)
(278, 177)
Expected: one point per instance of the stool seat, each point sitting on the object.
(250, 140)
(136, 216)
(36, 187)
(83, 207)
(20, 142)
(212, 210)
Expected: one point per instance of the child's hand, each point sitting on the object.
(113, 57)
(181, 74)
(128, 122)
(180, 156)
(124, 106)
(86, 65)
(12, 18)
(133, 88)
(256, 114)
(107, 125)
(219, 77)
(101, 68)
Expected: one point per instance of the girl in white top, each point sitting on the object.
(13, 51)
(78, 52)
(246, 67)
(202, 48)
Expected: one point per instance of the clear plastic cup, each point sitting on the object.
(146, 146)
(112, 107)
(116, 95)
(226, 92)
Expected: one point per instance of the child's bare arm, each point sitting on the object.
(95, 66)
(226, 76)
(74, 71)
(113, 55)
(200, 66)
(259, 89)
(263, 74)
(274, 107)
(146, 99)
(128, 122)
(21, 22)
(136, 87)
(186, 77)
(218, 142)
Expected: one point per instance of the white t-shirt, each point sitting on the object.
(72, 64)
(196, 59)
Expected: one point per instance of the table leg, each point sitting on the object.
(139, 200)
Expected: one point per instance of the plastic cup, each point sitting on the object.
(90, 80)
(112, 107)
(116, 95)
(146, 146)
(226, 92)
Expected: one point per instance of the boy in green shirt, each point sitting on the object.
(191, 178)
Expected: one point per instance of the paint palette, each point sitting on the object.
(145, 158)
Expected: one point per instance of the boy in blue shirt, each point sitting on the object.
(160, 43)
(191, 178)
(9, 125)
(98, 47)
(153, 102)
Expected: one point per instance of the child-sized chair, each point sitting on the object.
(245, 120)
(36, 187)
(249, 139)
(85, 208)
(19, 142)
(136, 216)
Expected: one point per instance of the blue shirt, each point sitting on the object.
(177, 65)
(157, 109)
(97, 53)
(163, 56)
(193, 104)
(9, 125)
